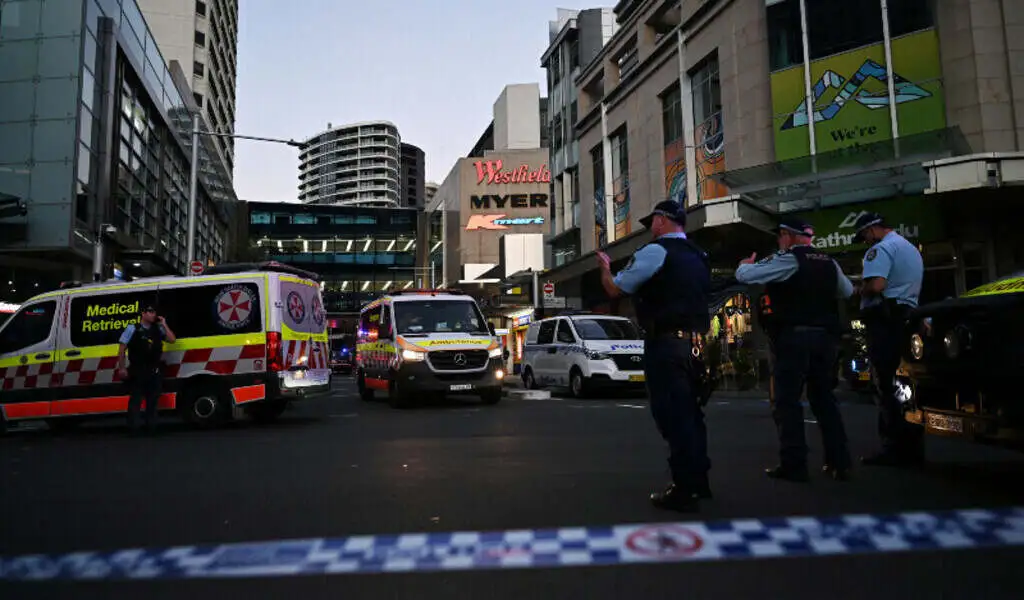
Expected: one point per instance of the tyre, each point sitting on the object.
(267, 411)
(528, 380)
(205, 405)
(491, 397)
(365, 393)
(399, 398)
(577, 384)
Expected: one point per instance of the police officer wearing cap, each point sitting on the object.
(143, 345)
(893, 271)
(670, 281)
(805, 287)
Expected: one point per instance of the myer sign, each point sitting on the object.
(914, 218)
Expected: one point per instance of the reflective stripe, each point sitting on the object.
(376, 384)
(104, 405)
(288, 333)
(299, 280)
(27, 410)
(28, 358)
(249, 393)
(181, 345)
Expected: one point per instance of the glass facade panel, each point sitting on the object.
(51, 183)
(61, 17)
(20, 62)
(57, 98)
(54, 140)
(18, 102)
(17, 146)
(60, 56)
(20, 20)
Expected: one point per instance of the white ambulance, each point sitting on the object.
(250, 338)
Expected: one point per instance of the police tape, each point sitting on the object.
(545, 548)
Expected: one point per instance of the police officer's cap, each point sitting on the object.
(669, 209)
(797, 226)
(868, 219)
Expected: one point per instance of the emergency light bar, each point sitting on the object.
(425, 292)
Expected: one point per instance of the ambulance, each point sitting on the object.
(250, 339)
(419, 343)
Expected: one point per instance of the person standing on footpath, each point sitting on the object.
(143, 345)
(670, 279)
(891, 286)
(804, 287)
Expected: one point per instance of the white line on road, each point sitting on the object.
(345, 416)
(630, 406)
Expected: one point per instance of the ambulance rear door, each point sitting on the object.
(303, 332)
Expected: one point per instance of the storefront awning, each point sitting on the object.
(855, 174)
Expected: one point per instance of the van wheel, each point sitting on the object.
(365, 393)
(398, 398)
(267, 411)
(528, 380)
(577, 385)
(205, 406)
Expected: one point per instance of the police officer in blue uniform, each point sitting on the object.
(143, 346)
(893, 272)
(805, 287)
(670, 280)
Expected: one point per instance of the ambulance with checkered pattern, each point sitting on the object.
(250, 339)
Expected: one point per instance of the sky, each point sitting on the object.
(432, 67)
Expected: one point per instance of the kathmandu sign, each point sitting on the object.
(911, 217)
(498, 222)
(490, 172)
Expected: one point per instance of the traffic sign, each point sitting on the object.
(196, 267)
(549, 289)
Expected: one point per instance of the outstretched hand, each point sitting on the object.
(750, 259)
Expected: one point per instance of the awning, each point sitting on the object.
(854, 174)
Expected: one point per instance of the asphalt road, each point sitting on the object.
(337, 467)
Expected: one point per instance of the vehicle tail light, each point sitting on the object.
(275, 360)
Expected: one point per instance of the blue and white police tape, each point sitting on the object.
(565, 547)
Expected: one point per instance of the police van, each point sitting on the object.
(417, 343)
(250, 338)
(584, 352)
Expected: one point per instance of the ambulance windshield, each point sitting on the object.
(439, 316)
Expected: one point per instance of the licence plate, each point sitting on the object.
(864, 376)
(945, 423)
(460, 387)
(637, 378)
(299, 375)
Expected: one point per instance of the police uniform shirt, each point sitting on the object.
(129, 331)
(781, 266)
(899, 263)
(644, 265)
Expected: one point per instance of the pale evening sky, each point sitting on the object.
(432, 67)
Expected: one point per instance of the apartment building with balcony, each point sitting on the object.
(750, 109)
(357, 164)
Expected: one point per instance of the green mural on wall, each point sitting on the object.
(851, 97)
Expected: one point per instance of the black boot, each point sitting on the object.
(674, 498)
(796, 474)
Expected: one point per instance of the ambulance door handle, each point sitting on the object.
(42, 355)
(73, 353)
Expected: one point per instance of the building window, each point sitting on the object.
(620, 182)
(707, 89)
(908, 16)
(834, 27)
(198, 98)
(597, 165)
(200, 39)
(672, 114)
(785, 46)
(708, 136)
(628, 58)
(198, 69)
(200, 8)
(556, 133)
(574, 53)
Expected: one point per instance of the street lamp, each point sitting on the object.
(193, 190)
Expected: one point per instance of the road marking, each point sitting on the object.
(345, 416)
(778, 537)
(630, 406)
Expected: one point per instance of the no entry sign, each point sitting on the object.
(195, 267)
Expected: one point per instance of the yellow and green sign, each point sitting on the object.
(851, 97)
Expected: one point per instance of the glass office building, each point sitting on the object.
(95, 140)
(360, 252)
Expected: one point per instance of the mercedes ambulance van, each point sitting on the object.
(413, 344)
(250, 338)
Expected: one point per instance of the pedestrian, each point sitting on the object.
(804, 288)
(670, 280)
(142, 344)
(891, 285)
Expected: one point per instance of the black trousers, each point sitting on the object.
(807, 355)
(676, 412)
(885, 333)
(144, 386)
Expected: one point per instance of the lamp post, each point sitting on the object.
(193, 191)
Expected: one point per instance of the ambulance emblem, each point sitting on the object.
(296, 307)
(318, 312)
(234, 307)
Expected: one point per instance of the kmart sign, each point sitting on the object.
(915, 218)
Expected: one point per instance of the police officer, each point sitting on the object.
(142, 344)
(671, 279)
(893, 271)
(804, 287)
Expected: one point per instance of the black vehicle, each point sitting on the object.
(343, 355)
(964, 357)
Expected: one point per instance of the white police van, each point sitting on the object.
(584, 352)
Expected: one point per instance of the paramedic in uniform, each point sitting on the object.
(143, 344)
(893, 271)
(805, 287)
(670, 280)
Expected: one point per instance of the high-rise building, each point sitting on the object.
(576, 38)
(352, 164)
(429, 189)
(414, 176)
(202, 35)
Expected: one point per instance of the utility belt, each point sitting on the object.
(887, 312)
(702, 378)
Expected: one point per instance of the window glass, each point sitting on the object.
(834, 27)
(565, 334)
(785, 46)
(260, 218)
(606, 329)
(29, 327)
(547, 333)
(369, 323)
(439, 316)
(216, 309)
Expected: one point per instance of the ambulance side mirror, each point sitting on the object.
(490, 327)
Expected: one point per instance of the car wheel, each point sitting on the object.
(528, 381)
(205, 405)
(365, 393)
(577, 384)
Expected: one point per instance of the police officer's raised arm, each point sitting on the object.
(122, 347)
(844, 287)
(877, 265)
(775, 267)
(643, 266)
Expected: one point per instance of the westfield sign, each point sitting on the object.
(491, 172)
